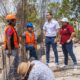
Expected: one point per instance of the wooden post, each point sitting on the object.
(23, 52)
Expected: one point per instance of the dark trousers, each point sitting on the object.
(68, 49)
(50, 41)
(32, 51)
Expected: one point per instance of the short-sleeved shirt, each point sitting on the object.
(40, 72)
(65, 33)
(51, 28)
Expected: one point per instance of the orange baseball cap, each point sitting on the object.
(10, 17)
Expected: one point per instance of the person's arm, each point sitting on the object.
(8, 45)
(71, 30)
(23, 35)
(44, 32)
(71, 37)
(22, 38)
(57, 32)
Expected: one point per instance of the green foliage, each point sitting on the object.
(29, 11)
(63, 9)
(32, 14)
(77, 34)
(75, 7)
(54, 7)
(25, 13)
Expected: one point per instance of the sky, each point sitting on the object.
(54, 0)
(11, 6)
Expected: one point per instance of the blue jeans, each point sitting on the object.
(32, 51)
(50, 41)
(68, 49)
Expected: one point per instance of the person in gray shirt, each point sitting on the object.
(35, 70)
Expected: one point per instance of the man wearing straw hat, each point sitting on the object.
(35, 70)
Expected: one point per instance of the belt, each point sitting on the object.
(51, 37)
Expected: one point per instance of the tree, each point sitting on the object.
(54, 7)
(65, 9)
(75, 7)
(61, 9)
(26, 13)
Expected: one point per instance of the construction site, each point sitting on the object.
(35, 11)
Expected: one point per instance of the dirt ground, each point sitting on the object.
(60, 74)
(68, 73)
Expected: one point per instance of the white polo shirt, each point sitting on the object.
(51, 28)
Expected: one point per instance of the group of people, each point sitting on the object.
(52, 33)
(12, 41)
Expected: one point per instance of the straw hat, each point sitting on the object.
(23, 68)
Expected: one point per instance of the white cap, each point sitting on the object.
(65, 20)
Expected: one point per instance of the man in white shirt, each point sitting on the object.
(50, 31)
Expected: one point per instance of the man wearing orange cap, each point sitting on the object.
(11, 41)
